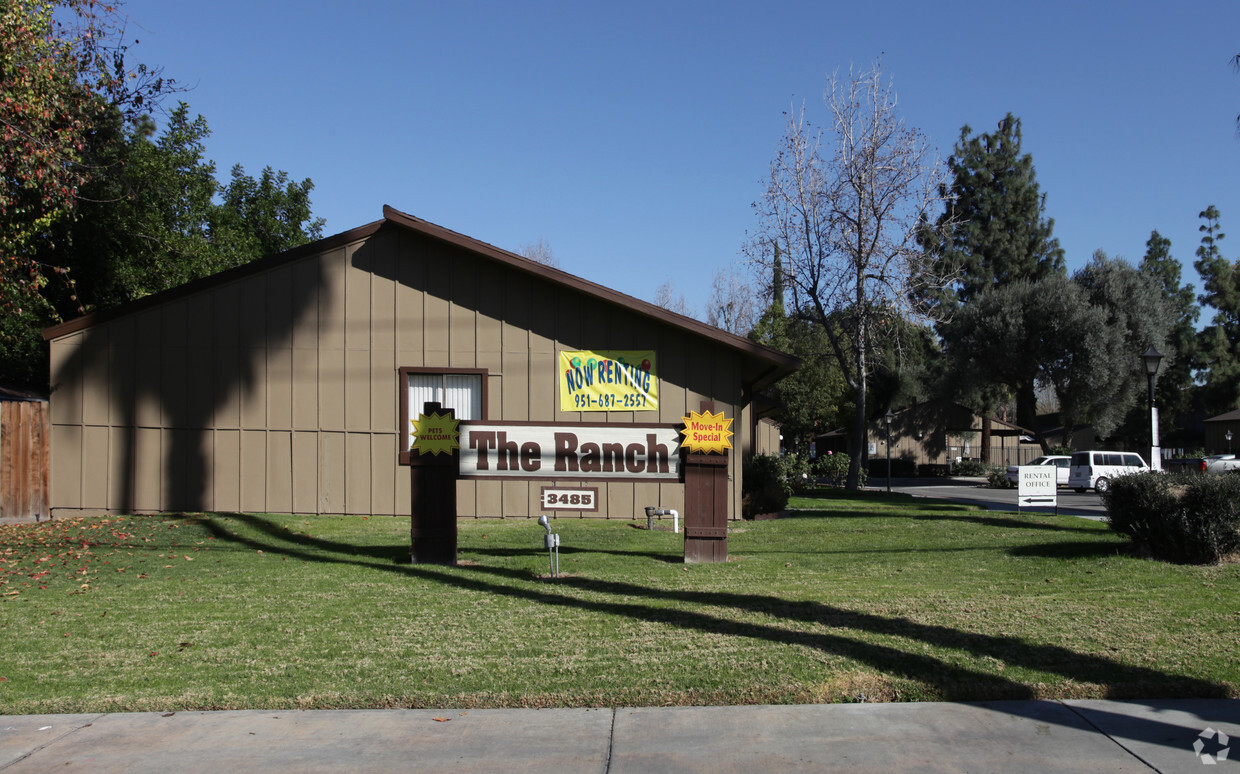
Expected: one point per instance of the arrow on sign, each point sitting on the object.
(1037, 501)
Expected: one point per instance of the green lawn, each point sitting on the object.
(854, 598)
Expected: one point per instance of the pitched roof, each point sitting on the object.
(763, 365)
(1230, 416)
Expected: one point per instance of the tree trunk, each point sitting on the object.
(1027, 414)
(986, 433)
(859, 416)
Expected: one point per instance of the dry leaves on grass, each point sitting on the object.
(38, 556)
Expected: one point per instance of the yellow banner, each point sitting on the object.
(608, 381)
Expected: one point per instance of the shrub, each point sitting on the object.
(1177, 517)
(832, 469)
(765, 488)
(971, 468)
(997, 477)
(796, 471)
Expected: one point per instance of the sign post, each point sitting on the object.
(434, 462)
(1037, 486)
(707, 440)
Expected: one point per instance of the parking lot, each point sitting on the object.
(975, 490)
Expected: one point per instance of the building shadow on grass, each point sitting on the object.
(1009, 523)
(400, 554)
(829, 629)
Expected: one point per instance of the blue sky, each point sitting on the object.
(633, 137)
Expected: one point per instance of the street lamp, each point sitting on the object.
(1227, 435)
(1152, 359)
(887, 421)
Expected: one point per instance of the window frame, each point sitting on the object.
(403, 388)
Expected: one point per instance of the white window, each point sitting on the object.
(462, 392)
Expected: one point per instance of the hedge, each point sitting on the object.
(1178, 517)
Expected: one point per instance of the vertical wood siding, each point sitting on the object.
(278, 391)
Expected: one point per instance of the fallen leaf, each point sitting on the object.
(167, 714)
(442, 720)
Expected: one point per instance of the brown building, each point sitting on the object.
(938, 433)
(1223, 433)
(282, 386)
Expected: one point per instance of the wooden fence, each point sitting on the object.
(25, 436)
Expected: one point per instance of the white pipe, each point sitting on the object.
(653, 511)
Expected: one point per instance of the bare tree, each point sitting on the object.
(667, 297)
(540, 251)
(847, 220)
(733, 301)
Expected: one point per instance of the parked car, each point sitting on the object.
(1220, 463)
(1095, 469)
(1060, 463)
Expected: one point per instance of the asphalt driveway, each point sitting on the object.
(976, 491)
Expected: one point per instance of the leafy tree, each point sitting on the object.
(1109, 379)
(1175, 380)
(1083, 336)
(848, 221)
(815, 399)
(1218, 344)
(262, 217)
(155, 217)
(63, 72)
(812, 400)
(160, 218)
(1018, 334)
(142, 226)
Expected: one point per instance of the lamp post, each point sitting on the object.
(887, 422)
(1152, 359)
(1227, 435)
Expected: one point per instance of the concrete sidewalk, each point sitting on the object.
(1041, 736)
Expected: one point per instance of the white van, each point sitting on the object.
(1095, 469)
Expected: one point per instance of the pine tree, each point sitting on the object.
(995, 234)
(998, 232)
(1219, 343)
(772, 327)
(1175, 380)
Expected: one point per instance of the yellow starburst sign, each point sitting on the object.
(436, 434)
(707, 432)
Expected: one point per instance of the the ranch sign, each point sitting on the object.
(569, 451)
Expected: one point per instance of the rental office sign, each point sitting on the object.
(613, 452)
